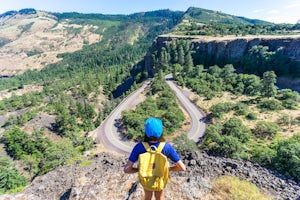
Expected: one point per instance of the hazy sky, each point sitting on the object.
(278, 11)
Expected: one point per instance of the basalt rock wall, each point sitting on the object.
(231, 48)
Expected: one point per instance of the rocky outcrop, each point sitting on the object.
(231, 48)
(104, 179)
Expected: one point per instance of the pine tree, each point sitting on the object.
(269, 79)
(180, 55)
(188, 62)
(174, 53)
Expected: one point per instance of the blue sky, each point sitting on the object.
(278, 11)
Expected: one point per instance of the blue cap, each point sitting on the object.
(153, 127)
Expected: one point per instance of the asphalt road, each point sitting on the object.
(107, 132)
(198, 125)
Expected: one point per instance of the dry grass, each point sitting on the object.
(261, 116)
(232, 188)
(225, 97)
(45, 35)
(4, 94)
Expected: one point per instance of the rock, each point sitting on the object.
(233, 48)
(104, 179)
(192, 163)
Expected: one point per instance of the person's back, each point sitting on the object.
(153, 167)
(153, 137)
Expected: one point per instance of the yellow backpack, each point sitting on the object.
(153, 168)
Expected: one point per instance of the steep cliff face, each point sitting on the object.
(231, 48)
(235, 48)
(104, 179)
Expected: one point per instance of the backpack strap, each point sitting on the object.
(146, 146)
(158, 149)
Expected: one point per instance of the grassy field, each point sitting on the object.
(270, 116)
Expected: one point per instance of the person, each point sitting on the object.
(154, 135)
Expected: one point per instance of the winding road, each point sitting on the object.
(107, 132)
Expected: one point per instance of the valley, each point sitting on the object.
(62, 102)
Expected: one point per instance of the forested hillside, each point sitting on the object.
(77, 91)
(197, 21)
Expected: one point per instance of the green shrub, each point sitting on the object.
(287, 159)
(33, 52)
(290, 104)
(183, 144)
(251, 116)
(290, 99)
(230, 146)
(234, 127)
(60, 153)
(212, 136)
(241, 108)
(10, 179)
(265, 129)
(270, 104)
(17, 143)
(263, 155)
(221, 108)
(210, 95)
(226, 145)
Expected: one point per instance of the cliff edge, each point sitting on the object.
(104, 179)
(231, 48)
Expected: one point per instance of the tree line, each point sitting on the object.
(224, 29)
(37, 153)
(256, 60)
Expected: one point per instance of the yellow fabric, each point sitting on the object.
(153, 168)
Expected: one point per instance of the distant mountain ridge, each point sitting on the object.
(200, 15)
(25, 11)
(25, 35)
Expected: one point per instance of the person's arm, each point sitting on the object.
(179, 166)
(129, 169)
